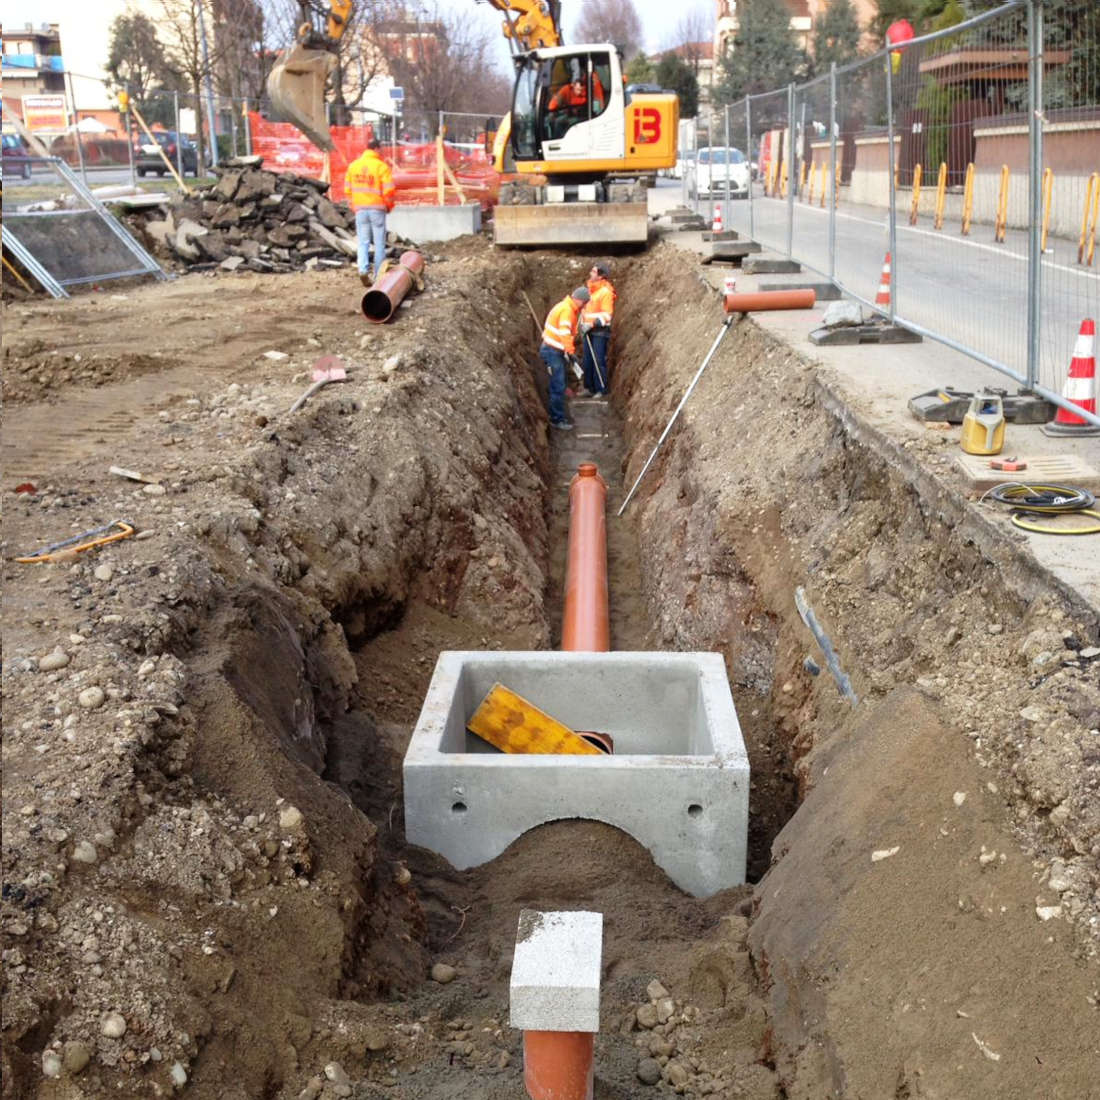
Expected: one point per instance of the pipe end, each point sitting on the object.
(588, 469)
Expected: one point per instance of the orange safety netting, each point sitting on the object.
(285, 149)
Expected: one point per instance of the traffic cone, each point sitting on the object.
(1080, 387)
(882, 298)
(716, 225)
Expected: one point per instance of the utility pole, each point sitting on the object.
(210, 118)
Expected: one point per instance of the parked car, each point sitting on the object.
(15, 156)
(714, 164)
(147, 159)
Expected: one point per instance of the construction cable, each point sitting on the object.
(1026, 523)
(1042, 499)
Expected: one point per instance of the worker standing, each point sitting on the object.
(558, 346)
(369, 188)
(595, 329)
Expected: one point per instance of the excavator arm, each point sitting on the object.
(296, 85)
(530, 24)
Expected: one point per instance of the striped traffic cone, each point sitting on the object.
(716, 225)
(1080, 387)
(882, 298)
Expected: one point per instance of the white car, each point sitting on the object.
(714, 164)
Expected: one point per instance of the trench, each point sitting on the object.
(735, 514)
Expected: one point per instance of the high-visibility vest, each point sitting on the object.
(369, 182)
(561, 325)
(601, 305)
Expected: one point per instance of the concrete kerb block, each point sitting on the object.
(555, 984)
(678, 782)
(434, 223)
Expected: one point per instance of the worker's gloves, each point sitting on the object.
(584, 328)
(599, 323)
(577, 372)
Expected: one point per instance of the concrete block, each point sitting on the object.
(678, 782)
(434, 223)
(824, 291)
(555, 983)
(769, 265)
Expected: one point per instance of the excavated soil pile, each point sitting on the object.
(206, 884)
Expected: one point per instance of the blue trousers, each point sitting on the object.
(555, 363)
(595, 343)
(370, 225)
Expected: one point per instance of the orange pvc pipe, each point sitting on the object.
(770, 299)
(386, 295)
(558, 1065)
(585, 624)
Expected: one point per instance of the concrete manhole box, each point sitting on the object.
(678, 781)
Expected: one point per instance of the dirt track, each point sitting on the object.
(213, 850)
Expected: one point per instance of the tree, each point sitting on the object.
(763, 55)
(613, 21)
(676, 75)
(244, 60)
(444, 61)
(836, 35)
(640, 70)
(691, 37)
(136, 61)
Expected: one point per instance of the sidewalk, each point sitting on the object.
(875, 382)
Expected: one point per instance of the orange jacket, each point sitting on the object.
(601, 305)
(369, 182)
(566, 97)
(561, 326)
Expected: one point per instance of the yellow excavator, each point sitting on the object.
(578, 148)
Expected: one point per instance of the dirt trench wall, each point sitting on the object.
(770, 482)
(236, 893)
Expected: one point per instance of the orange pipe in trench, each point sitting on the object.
(386, 295)
(585, 624)
(770, 299)
(558, 1065)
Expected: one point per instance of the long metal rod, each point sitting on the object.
(726, 204)
(748, 153)
(791, 176)
(76, 128)
(833, 173)
(179, 143)
(832, 662)
(1034, 183)
(211, 118)
(727, 324)
(891, 168)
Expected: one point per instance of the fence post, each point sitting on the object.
(726, 204)
(179, 134)
(748, 148)
(247, 128)
(76, 130)
(1035, 168)
(892, 191)
(130, 139)
(833, 173)
(790, 170)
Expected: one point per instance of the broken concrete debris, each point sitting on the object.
(253, 219)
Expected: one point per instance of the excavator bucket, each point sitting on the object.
(570, 223)
(296, 87)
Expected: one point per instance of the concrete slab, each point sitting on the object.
(678, 782)
(555, 984)
(769, 265)
(848, 335)
(824, 291)
(1041, 469)
(434, 223)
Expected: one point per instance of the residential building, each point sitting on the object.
(803, 13)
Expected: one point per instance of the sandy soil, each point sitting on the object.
(206, 884)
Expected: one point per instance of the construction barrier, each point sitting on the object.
(415, 165)
(941, 196)
(1001, 224)
(1086, 246)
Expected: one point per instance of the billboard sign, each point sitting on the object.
(45, 113)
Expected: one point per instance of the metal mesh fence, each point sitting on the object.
(970, 157)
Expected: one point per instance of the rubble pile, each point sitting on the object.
(255, 219)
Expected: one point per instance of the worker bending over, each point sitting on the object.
(370, 191)
(558, 346)
(595, 329)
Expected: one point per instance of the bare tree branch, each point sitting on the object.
(612, 21)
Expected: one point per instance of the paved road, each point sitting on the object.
(967, 288)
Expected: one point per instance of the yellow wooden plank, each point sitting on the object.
(512, 724)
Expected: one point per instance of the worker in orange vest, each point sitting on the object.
(595, 329)
(558, 348)
(568, 103)
(370, 191)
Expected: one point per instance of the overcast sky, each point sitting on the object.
(659, 17)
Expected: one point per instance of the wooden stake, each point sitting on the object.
(171, 167)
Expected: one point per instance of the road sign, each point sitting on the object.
(397, 93)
